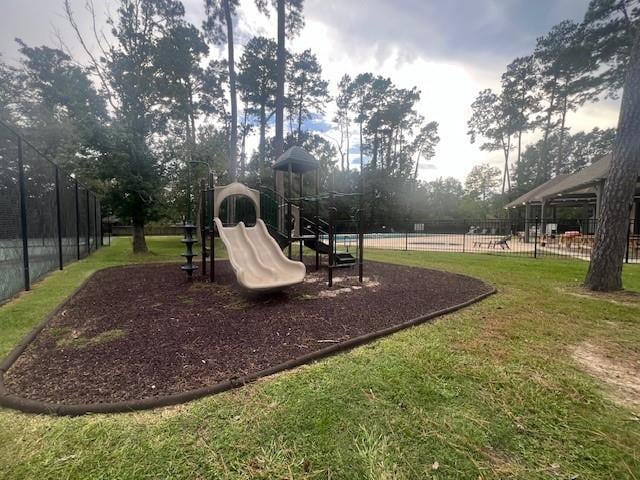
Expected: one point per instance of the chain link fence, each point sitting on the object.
(47, 218)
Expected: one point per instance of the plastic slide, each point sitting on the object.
(256, 258)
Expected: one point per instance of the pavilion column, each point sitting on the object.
(543, 227)
(527, 222)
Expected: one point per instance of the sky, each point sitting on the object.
(449, 50)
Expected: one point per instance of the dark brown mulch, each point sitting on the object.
(142, 331)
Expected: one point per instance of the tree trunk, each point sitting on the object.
(243, 145)
(139, 241)
(506, 180)
(561, 145)
(300, 105)
(280, 74)
(263, 126)
(519, 144)
(347, 132)
(281, 66)
(547, 130)
(374, 153)
(374, 159)
(605, 269)
(233, 141)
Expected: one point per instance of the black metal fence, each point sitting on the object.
(566, 238)
(47, 218)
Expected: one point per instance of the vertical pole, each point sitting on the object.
(95, 221)
(317, 222)
(212, 251)
(88, 223)
(464, 235)
(288, 222)
(78, 219)
(289, 219)
(626, 257)
(59, 219)
(362, 226)
(23, 217)
(360, 246)
(203, 231)
(406, 239)
(188, 193)
(535, 240)
(331, 241)
(527, 222)
(109, 228)
(300, 214)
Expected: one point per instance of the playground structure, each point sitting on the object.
(272, 222)
(254, 254)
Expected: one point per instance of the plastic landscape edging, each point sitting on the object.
(9, 400)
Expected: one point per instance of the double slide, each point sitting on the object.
(256, 258)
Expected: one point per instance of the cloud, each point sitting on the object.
(449, 50)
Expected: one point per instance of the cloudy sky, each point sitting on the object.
(449, 49)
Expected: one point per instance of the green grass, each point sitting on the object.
(488, 392)
(67, 338)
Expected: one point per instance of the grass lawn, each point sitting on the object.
(489, 392)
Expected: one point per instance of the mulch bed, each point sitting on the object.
(142, 331)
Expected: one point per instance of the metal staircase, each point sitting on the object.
(277, 213)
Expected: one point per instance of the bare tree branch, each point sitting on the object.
(91, 9)
(94, 61)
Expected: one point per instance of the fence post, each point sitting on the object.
(59, 218)
(406, 239)
(77, 219)
(626, 256)
(88, 223)
(535, 240)
(23, 218)
(95, 221)
(464, 235)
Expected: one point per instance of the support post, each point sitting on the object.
(289, 219)
(362, 225)
(626, 256)
(23, 218)
(527, 223)
(88, 223)
(543, 227)
(95, 221)
(535, 240)
(78, 219)
(360, 243)
(300, 216)
(59, 219)
(464, 235)
(331, 241)
(212, 233)
(317, 222)
(203, 230)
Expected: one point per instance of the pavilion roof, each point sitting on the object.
(578, 183)
(535, 195)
